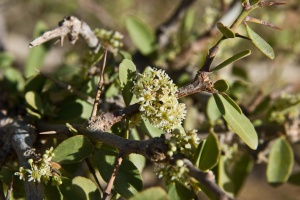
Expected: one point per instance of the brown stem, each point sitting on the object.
(99, 88)
(207, 182)
(110, 183)
(10, 189)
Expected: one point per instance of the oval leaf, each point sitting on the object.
(232, 59)
(150, 194)
(141, 35)
(85, 188)
(34, 100)
(73, 149)
(128, 179)
(239, 123)
(260, 43)
(212, 111)
(127, 73)
(178, 191)
(221, 85)
(35, 83)
(210, 152)
(66, 189)
(227, 32)
(149, 129)
(281, 160)
(229, 100)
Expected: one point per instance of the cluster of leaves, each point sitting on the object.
(45, 100)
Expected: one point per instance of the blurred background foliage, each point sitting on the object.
(253, 77)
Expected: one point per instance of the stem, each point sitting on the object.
(93, 172)
(100, 85)
(110, 184)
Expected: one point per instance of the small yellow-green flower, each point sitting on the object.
(156, 94)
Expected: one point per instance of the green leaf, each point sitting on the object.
(15, 79)
(35, 83)
(260, 43)
(212, 111)
(127, 74)
(210, 152)
(232, 59)
(34, 100)
(37, 54)
(128, 179)
(149, 129)
(281, 160)
(73, 149)
(221, 85)
(156, 193)
(227, 32)
(69, 111)
(178, 191)
(86, 109)
(229, 100)
(141, 35)
(239, 123)
(224, 180)
(241, 168)
(66, 189)
(85, 188)
(240, 72)
(52, 192)
(6, 60)
(138, 160)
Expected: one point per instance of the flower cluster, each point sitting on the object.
(156, 94)
(184, 143)
(110, 39)
(170, 173)
(180, 142)
(40, 171)
(286, 106)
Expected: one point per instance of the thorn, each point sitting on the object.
(259, 21)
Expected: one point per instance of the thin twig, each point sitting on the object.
(69, 88)
(93, 172)
(110, 183)
(99, 88)
(10, 189)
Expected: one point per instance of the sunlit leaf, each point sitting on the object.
(141, 35)
(229, 100)
(34, 100)
(227, 32)
(150, 194)
(260, 43)
(85, 188)
(212, 111)
(73, 149)
(6, 60)
(149, 129)
(178, 191)
(281, 160)
(221, 85)
(239, 123)
(232, 59)
(210, 152)
(127, 74)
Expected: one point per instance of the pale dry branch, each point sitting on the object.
(71, 27)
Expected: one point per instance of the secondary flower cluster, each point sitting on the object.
(110, 39)
(40, 171)
(184, 143)
(156, 94)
